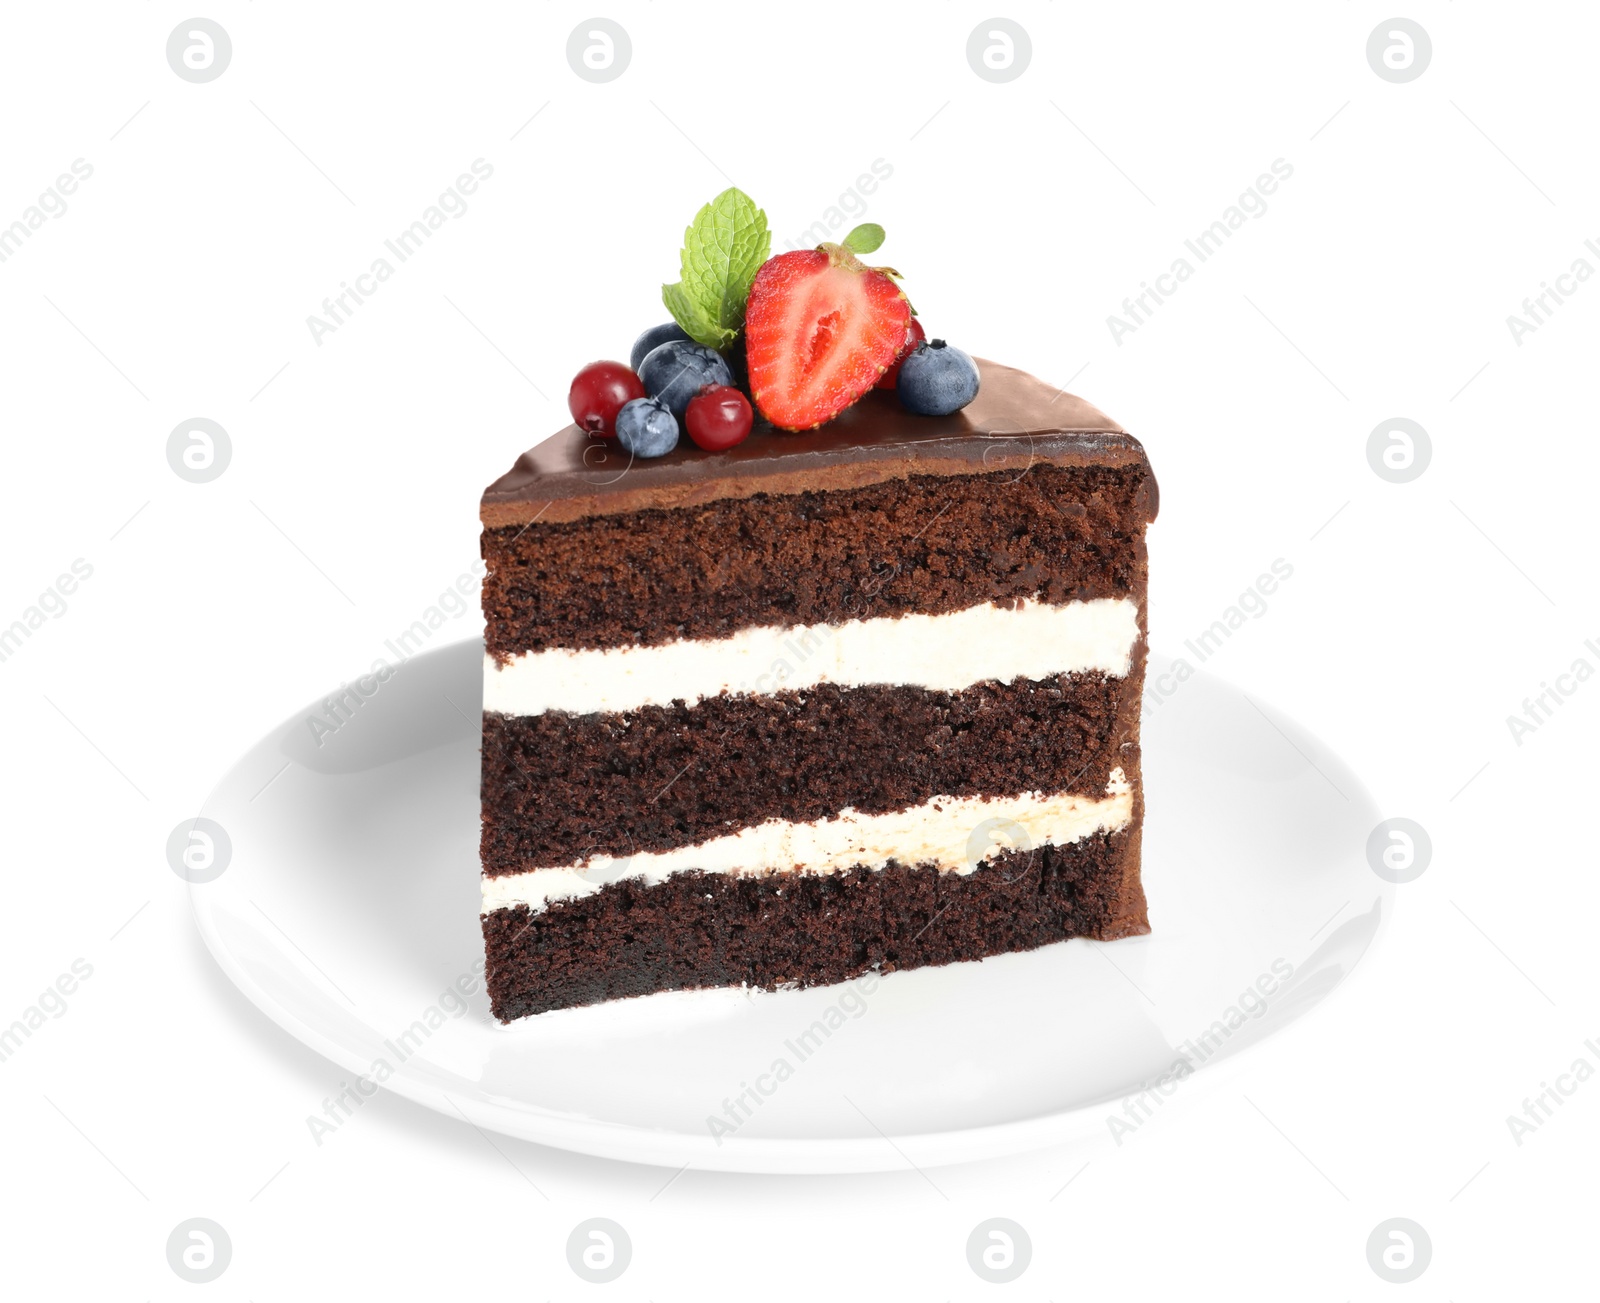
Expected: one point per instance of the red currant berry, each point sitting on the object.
(914, 336)
(598, 393)
(718, 417)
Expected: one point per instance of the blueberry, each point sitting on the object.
(646, 428)
(739, 364)
(654, 338)
(675, 371)
(935, 379)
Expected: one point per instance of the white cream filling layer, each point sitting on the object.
(955, 833)
(938, 652)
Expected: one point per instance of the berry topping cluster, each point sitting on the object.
(678, 385)
(799, 336)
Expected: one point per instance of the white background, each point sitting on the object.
(178, 283)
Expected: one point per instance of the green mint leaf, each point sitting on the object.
(866, 238)
(723, 249)
(687, 312)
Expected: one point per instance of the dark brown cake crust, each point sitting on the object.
(1015, 422)
(700, 930)
(923, 544)
(559, 787)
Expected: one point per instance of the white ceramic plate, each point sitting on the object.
(348, 911)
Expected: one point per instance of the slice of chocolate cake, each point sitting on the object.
(861, 697)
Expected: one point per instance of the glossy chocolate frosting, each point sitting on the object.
(1015, 420)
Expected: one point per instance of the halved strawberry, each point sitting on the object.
(819, 330)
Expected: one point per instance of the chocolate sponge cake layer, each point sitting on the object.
(776, 930)
(659, 777)
(918, 544)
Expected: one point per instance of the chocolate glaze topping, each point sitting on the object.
(1015, 420)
